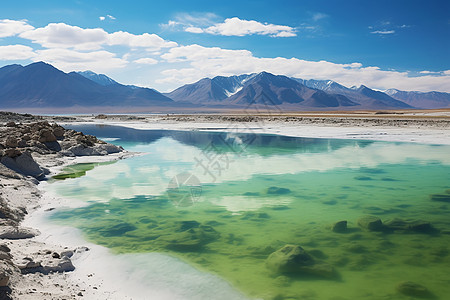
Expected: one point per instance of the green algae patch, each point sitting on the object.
(78, 170)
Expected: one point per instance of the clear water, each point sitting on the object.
(261, 192)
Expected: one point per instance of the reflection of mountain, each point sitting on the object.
(223, 142)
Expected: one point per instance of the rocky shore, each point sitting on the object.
(29, 149)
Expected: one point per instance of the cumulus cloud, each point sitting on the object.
(13, 27)
(61, 35)
(102, 18)
(146, 61)
(237, 27)
(212, 61)
(16, 52)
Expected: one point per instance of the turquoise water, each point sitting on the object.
(246, 196)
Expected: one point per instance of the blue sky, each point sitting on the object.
(164, 44)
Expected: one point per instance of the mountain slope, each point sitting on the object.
(366, 97)
(209, 90)
(427, 100)
(269, 89)
(42, 85)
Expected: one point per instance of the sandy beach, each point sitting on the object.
(95, 277)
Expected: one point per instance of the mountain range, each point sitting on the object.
(42, 85)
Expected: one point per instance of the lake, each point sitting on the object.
(224, 202)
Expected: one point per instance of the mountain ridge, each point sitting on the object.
(42, 85)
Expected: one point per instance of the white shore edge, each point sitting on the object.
(103, 275)
(422, 135)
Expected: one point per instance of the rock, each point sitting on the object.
(396, 224)
(56, 255)
(14, 233)
(59, 265)
(11, 124)
(5, 273)
(421, 227)
(46, 136)
(370, 223)
(440, 197)
(24, 164)
(81, 249)
(28, 263)
(4, 255)
(4, 248)
(101, 116)
(409, 226)
(67, 253)
(273, 190)
(12, 153)
(58, 132)
(340, 226)
(294, 260)
(11, 142)
(410, 288)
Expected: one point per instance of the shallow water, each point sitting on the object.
(248, 195)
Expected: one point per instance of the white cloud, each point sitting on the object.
(61, 35)
(203, 62)
(193, 29)
(146, 61)
(237, 27)
(383, 32)
(69, 60)
(13, 27)
(319, 16)
(102, 18)
(16, 52)
(111, 17)
(145, 40)
(186, 20)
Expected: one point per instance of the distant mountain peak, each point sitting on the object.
(101, 79)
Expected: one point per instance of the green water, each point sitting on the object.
(272, 192)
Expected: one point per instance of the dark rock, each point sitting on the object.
(11, 124)
(273, 190)
(370, 223)
(409, 226)
(340, 226)
(46, 136)
(11, 142)
(67, 253)
(55, 255)
(4, 248)
(5, 273)
(440, 197)
(413, 289)
(81, 249)
(293, 260)
(4, 255)
(15, 233)
(12, 153)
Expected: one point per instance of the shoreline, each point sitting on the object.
(426, 131)
(99, 285)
